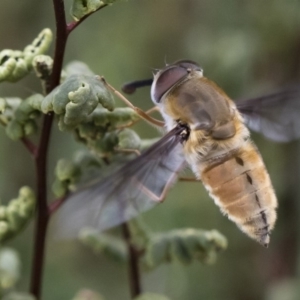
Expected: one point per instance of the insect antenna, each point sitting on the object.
(130, 87)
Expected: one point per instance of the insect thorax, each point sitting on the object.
(202, 150)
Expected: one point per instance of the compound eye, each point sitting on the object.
(188, 64)
(166, 79)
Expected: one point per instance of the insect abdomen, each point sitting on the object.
(241, 187)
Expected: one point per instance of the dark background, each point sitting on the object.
(248, 48)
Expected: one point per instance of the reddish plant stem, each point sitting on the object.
(41, 156)
(41, 153)
(31, 147)
(133, 271)
(55, 205)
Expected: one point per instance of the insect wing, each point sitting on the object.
(121, 196)
(277, 115)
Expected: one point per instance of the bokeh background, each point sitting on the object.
(248, 48)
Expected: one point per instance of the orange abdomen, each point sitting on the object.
(240, 185)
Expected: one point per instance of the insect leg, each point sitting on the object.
(148, 112)
(140, 112)
(164, 192)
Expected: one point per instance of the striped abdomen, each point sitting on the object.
(241, 187)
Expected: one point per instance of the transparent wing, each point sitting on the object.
(277, 115)
(132, 189)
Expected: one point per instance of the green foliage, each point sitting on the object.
(151, 296)
(78, 68)
(185, 246)
(81, 8)
(72, 172)
(104, 244)
(15, 64)
(18, 296)
(20, 116)
(9, 268)
(100, 131)
(76, 98)
(42, 65)
(16, 214)
(87, 295)
(119, 117)
(67, 173)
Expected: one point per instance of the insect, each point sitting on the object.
(208, 132)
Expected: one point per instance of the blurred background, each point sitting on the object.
(249, 48)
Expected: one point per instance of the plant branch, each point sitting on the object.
(134, 272)
(30, 146)
(43, 211)
(41, 157)
(55, 204)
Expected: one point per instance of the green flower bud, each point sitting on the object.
(77, 98)
(129, 139)
(100, 116)
(104, 244)
(14, 65)
(13, 217)
(66, 170)
(35, 101)
(90, 132)
(85, 158)
(122, 116)
(9, 268)
(80, 8)
(59, 188)
(184, 246)
(39, 45)
(30, 127)
(23, 111)
(178, 250)
(20, 70)
(157, 251)
(107, 144)
(17, 214)
(42, 65)
(13, 102)
(7, 64)
(78, 68)
(67, 173)
(14, 130)
(21, 116)
(27, 201)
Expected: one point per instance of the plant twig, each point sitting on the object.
(41, 156)
(133, 271)
(31, 147)
(55, 204)
(43, 212)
